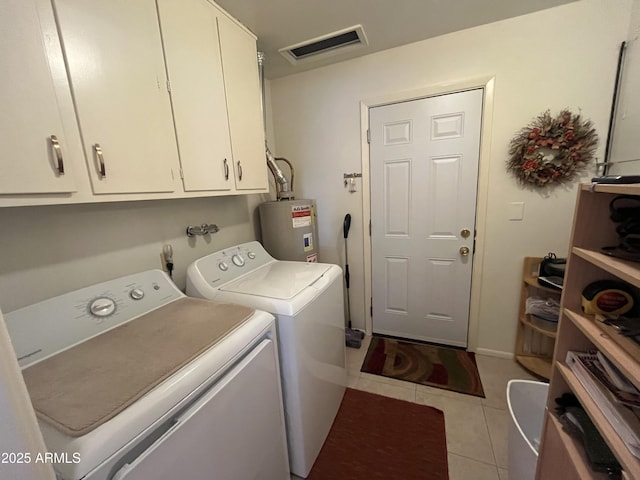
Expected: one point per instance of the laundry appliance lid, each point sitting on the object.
(282, 280)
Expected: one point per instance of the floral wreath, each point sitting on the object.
(551, 149)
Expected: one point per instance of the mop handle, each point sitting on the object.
(346, 275)
(345, 230)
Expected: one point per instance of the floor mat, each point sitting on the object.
(375, 437)
(434, 366)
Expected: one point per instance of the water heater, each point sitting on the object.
(290, 230)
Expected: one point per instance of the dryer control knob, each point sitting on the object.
(102, 307)
(223, 266)
(251, 255)
(237, 260)
(137, 294)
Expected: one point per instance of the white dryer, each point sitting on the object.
(219, 415)
(307, 300)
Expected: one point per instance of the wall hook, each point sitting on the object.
(350, 180)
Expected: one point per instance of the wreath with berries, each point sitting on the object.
(552, 149)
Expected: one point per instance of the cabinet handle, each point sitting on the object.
(57, 150)
(101, 170)
(226, 169)
(239, 171)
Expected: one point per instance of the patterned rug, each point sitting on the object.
(435, 366)
(379, 438)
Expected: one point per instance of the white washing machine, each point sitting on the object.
(306, 299)
(219, 415)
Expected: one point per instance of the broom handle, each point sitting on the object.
(346, 271)
(345, 230)
(346, 225)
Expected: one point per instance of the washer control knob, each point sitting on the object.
(251, 255)
(237, 260)
(223, 266)
(137, 294)
(102, 307)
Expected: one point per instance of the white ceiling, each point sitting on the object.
(387, 23)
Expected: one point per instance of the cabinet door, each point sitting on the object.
(116, 67)
(36, 104)
(240, 64)
(192, 53)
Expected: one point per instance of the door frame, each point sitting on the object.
(487, 85)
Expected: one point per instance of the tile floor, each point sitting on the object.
(477, 428)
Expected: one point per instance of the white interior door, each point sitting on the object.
(424, 171)
(20, 432)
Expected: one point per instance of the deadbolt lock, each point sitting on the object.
(465, 232)
(464, 251)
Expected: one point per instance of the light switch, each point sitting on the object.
(516, 211)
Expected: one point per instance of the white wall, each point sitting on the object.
(561, 57)
(49, 250)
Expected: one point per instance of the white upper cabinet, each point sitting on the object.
(41, 150)
(242, 85)
(192, 52)
(116, 67)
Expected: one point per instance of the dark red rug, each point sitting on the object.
(375, 437)
(435, 366)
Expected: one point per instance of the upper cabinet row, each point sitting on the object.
(127, 100)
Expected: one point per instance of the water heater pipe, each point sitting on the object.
(284, 189)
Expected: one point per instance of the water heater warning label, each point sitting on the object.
(301, 216)
(307, 238)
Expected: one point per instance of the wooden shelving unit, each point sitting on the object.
(561, 456)
(534, 344)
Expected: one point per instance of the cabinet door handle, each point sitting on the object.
(57, 150)
(239, 171)
(226, 169)
(101, 168)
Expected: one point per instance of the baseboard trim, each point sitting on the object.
(494, 353)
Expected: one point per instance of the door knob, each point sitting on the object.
(464, 251)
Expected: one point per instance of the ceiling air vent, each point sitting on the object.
(326, 45)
